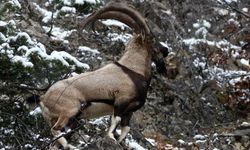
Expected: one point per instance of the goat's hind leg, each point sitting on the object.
(56, 131)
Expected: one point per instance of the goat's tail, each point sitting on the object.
(34, 99)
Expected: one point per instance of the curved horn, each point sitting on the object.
(119, 7)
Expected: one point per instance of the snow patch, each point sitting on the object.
(232, 21)
(202, 31)
(203, 23)
(63, 56)
(36, 111)
(2, 37)
(100, 120)
(151, 141)
(111, 22)
(87, 49)
(24, 61)
(68, 9)
(245, 124)
(245, 9)
(198, 63)
(166, 45)
(58, 33)
(223, 44)
(222, 12)
(133, 144)
(47, 14)
(119, 37)
(3, 23)
(181, 141)
(228, 1)
(16, 3)
(199, 137)
(67, 2)
(92, 1)
(25, 35)
(244, 62)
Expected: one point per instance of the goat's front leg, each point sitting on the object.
(114, 122)
(125, 126)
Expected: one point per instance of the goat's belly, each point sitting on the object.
(95, 110)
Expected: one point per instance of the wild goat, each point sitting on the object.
(118, 88)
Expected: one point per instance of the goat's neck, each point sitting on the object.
(137, 57)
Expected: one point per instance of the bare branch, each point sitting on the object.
(235, 9)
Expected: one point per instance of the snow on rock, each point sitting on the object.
(181, 142)
(199, 63)
(80, 2)
(199, 137)
(15, 3)
(222, 12)
(111, 22)
(223, 44)
(132, 144)
(100, 120)
(245, 124)
(92, 1)
(67, 2)
(233, 21)
(245, 9)
(68, 9)
(206, 24)
(151, 141)
(36, 111)
(166, 45)
(87, 49)
(221, 74)
(244, 62)
(47, 14)
(228, 1)
(200, 141)
(58, 33)
(119, 37)
(3, 23)
(2, 37)
(203, 23)
(202, 31)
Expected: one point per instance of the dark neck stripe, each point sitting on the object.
(130, 72)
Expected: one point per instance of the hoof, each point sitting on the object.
(111, 136)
